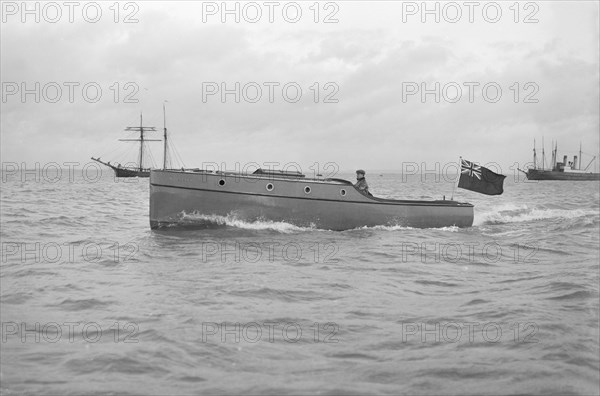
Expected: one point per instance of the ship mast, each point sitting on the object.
(534, 156)
(165, 150)
(579, 164)
(543, 155)
(141, 142)
(141, 129)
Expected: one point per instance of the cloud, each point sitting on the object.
(364, 62)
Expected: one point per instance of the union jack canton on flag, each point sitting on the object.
(479, 179)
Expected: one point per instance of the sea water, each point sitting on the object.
(94, 302)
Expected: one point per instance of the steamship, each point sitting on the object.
(565, 170)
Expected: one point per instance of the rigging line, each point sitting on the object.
(125, 148)
(147, 156)
(111, 149)
(152, 162)
(571, 152)
(155, 162)
(176, 157)
(130, 159)
(179, 158)
(118, 156)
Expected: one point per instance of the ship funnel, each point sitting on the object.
(575, 162)
(565, 160)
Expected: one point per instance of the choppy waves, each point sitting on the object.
(211, 221)
(521, 213)
(197, 220)
(387, 309)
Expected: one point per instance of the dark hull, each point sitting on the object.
(125, 172)
(175, 195)
(536, 174)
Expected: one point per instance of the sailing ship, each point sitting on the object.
(176, 196)
(565, 170)
(135, 169)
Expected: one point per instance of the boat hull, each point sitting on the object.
(175, 195)
(537, 174)
(123, 172)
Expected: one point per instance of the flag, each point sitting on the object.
(479, 179)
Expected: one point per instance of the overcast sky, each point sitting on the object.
(371, 60)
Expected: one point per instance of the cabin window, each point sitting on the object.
(307, 190)
(270, 187)
(342, 192)
(221, 182)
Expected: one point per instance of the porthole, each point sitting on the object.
(221, 182)
(270, 187)
(307, 190)
(342, 192)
